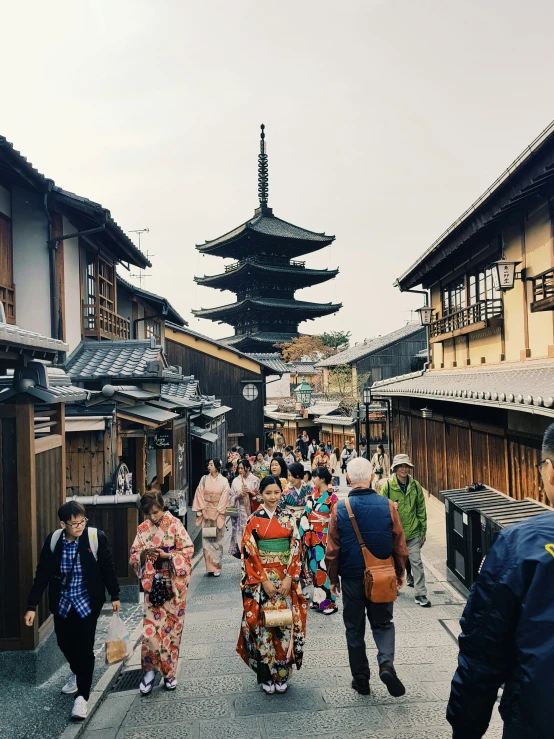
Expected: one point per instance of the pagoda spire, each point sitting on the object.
(263, 182)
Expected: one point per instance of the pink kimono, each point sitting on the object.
(210, 504)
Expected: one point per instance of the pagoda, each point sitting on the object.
(265, 275)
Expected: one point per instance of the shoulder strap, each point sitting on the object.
(55, 539)
(93, 541)
(369, 559)
(388, 489)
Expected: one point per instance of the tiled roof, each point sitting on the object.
(370, 346)
(268, 225)
(270, 360)
(323, 408)
(528, 387)
(216, 342)
(299, 368)
(335, 420)
(94, 360)
(29, 342)
(301, 306)
(309, 276)
(264, 337)
(165, 306)
(188, 389)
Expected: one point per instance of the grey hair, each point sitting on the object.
(360, 470)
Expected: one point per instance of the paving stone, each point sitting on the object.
(345, 696)
(421, 734)
(148, 713)
(441, 672)
(440, 689)
(231, 729)
(326, 723)
(297, 698)
(190, 687)
(416, 715)
(166, 731)
(309, 677)
(113, 711)
(100, 734)
(426, 655)
(331, 658)
(219, 666)
(195, 651)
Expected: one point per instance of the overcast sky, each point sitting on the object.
(385, 119)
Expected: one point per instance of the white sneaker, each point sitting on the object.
(79, 712)
(71, 685)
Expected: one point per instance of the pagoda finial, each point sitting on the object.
(263, 184)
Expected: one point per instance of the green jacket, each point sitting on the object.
(411, 506)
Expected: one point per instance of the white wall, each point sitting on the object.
(72, 281)
(279, 388)
(31, 271)
(5, 202)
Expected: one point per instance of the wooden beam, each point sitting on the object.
(139, 483)
(26, 510)
(48, 442)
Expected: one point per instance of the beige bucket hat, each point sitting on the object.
(401, 459)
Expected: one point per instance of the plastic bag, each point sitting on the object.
(118, 644)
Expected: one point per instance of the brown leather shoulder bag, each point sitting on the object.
(380, 583)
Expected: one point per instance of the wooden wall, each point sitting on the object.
(450, 452)
(89, 463)
(119, 523)
(224, 380)
(9, 563)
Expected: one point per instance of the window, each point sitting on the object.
(154, 328)
(453, 296)
(481, 286)
(250, 391)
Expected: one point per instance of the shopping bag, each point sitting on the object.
(118, 644)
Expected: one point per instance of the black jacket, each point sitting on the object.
(97, 575)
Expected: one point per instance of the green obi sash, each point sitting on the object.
(274, 545)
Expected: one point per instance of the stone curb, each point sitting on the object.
(75, 730)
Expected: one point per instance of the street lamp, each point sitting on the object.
(425, 315)
(504, 274)
(366, 397)
(303, 393)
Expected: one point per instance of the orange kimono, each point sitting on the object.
(271, 550)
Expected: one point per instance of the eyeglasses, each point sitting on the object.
(540, 464)
(77, 524)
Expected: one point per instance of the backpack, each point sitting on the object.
(92, 538)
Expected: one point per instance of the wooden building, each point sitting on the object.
(373, 360)
(236, 378)
(479, 412)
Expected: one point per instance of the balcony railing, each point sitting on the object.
(103, 323)
(273, 261)
(7, 297)
(474, 317)
(543, 291)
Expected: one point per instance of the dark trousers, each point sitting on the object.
(355, 608)
(76, 641)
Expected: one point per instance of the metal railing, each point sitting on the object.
(543, 285)
(104, 323)
(479, 312)
(273, 261)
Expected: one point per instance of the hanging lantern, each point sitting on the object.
(303, 393)
(504, 274)
(425, 315)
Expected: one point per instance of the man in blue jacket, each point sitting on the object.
(508, 630)
(382, 533)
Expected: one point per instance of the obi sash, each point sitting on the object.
(274, 545)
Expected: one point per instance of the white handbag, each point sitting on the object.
(209, 532)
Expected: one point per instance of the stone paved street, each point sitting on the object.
(218, 697)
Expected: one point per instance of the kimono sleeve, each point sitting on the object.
(135, 555)
(254, 572)
(181, 557)
(294, 565)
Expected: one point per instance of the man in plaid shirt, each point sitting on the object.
(77, 579)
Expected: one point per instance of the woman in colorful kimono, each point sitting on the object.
(270, 575)
(210, 503)
(314, 527)
(294, 495)
(243, 498)
(260, 467)
(161, 554)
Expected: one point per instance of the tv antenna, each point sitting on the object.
(140, 275)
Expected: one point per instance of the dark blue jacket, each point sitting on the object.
(373, 517)
(508, 636)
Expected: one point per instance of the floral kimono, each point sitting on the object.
(210, 503)
(260, 469)
(243, 506)
(314, 527)
(295, 498)
(163, 625)
(271, 550)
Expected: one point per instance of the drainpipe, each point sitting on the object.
(425, 293)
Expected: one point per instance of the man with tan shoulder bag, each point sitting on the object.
(366, 547)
